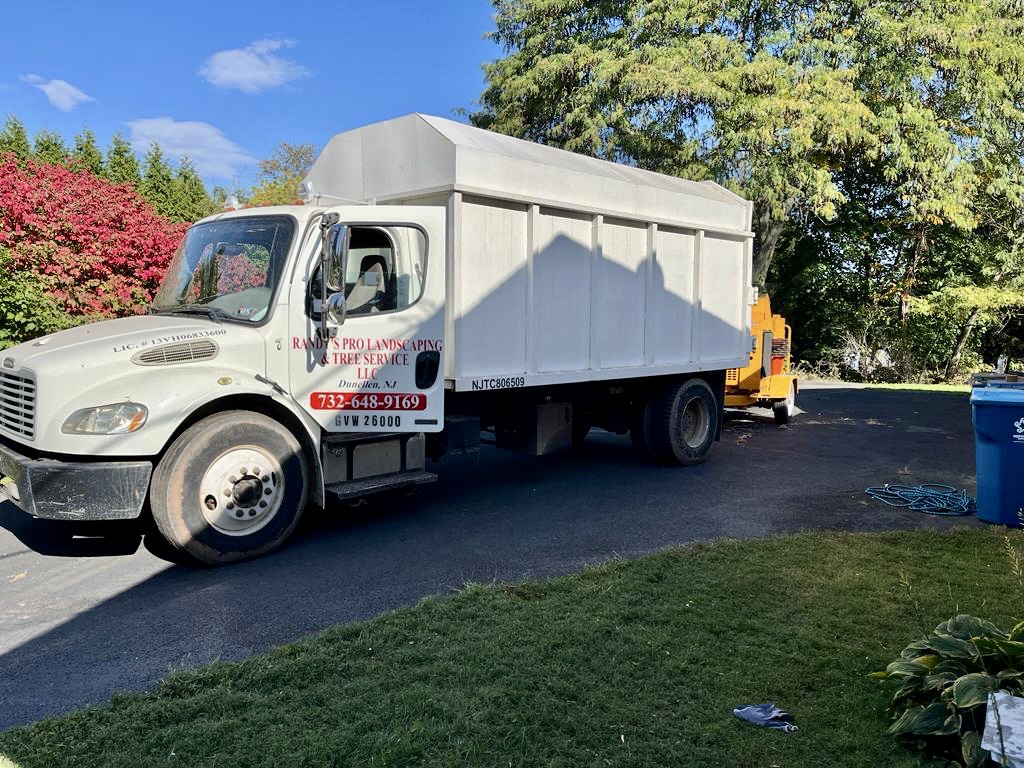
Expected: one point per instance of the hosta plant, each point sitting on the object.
(945, 680)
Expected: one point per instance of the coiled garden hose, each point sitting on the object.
(930, 498)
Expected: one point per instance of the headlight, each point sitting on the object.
(117, 419)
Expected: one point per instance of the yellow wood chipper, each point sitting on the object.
(767, 380)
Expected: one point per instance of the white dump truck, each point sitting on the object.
(441, 285)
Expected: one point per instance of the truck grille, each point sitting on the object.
(17, 404)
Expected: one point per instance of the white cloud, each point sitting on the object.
(213, 154)
(62, 94)
(254, 68)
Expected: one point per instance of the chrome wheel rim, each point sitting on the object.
(241, 491)
(696, 420)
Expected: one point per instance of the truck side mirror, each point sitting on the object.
(336, 307)
(336, 257)
(334, 240)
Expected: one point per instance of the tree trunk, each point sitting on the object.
(965, 333)
(905, 365)
(910, 276)
(768, 230)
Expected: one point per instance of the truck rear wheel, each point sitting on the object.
(231, 487)
(681, 421)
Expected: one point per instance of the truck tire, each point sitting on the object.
(681, 422)
(231, 487)
(782, 410)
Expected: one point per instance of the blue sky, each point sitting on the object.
(227, 82)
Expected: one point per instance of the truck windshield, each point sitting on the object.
(227, 268)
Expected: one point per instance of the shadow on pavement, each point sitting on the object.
(72, 539)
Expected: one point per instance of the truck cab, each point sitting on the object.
(229, 391)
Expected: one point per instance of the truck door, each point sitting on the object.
(382, 370)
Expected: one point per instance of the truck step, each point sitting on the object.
(356, 488)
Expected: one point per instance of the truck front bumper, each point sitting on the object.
(71, 490)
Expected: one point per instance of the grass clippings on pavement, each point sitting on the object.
(626, 664)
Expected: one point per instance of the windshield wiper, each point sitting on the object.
(215, 313)
(207, 299)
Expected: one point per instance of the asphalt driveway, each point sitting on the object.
(89, 610)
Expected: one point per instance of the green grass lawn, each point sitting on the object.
(627, 664)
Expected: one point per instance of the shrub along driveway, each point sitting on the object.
(100, 613)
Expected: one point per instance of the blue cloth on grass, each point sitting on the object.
(766, 716)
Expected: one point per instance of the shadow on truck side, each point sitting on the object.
(590, 317)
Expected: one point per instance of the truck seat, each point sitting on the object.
(368, 292)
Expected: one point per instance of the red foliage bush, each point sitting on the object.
(240, 272)
(236, 274)
(98, 247)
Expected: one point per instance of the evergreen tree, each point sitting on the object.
(121, 165)
(14, 139)
(157, 185)
(87, 154)
(191, 198)
(50, 148)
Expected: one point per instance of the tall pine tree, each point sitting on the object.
(14, 139)
(192, 200)
(121, 166)
(50, 148)
(157, 185)
(86, 154)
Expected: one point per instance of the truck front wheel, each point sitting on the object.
(231, 487)
(681, 421)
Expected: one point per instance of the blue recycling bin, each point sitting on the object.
(998, 412)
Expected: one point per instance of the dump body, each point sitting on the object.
(561, 268)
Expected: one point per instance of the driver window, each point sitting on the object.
(384, 271)
(369, 281)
